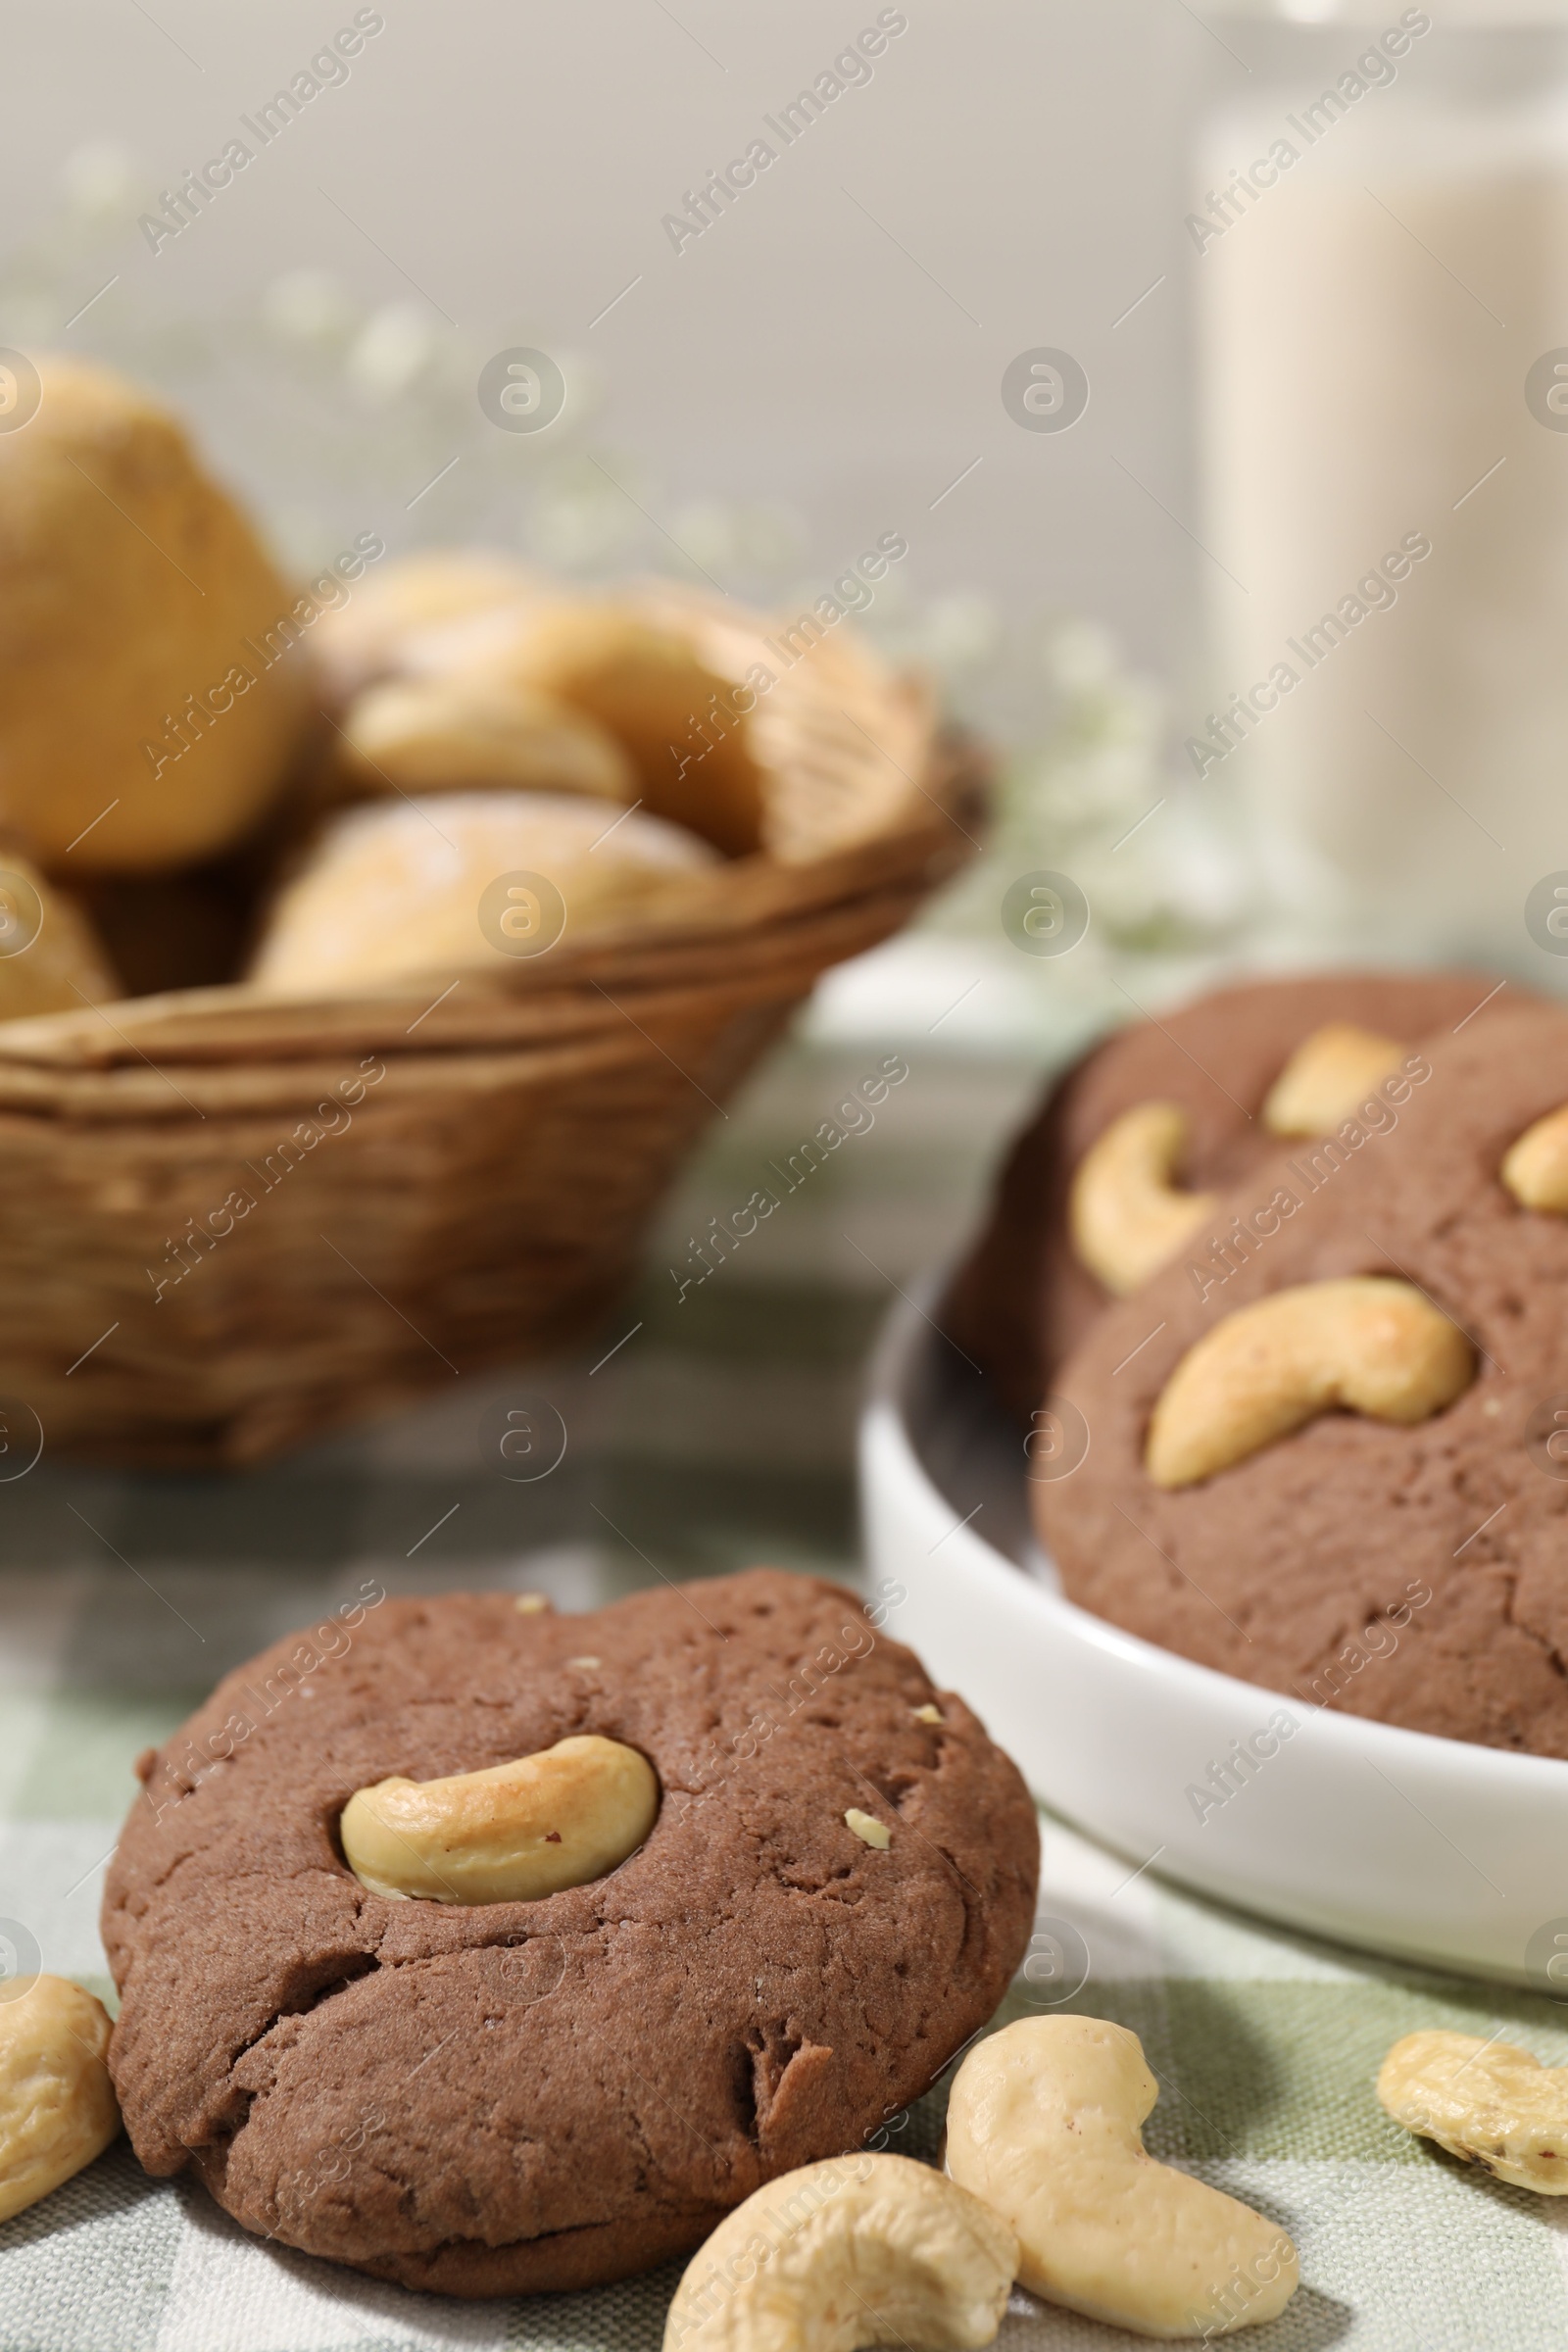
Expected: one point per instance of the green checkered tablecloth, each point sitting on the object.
(719, 1433)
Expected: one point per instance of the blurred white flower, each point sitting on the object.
(1087, 792)
(961, 630)
(581, 522)
(394, 348)
(301, 537)
(952, 637)
(1080, 655)
(307, 306)
(729, 537)
(100, 179)
(772, 537)
(709, 532)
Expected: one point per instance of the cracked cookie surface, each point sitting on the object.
(518, 2096)
(1418, 1574)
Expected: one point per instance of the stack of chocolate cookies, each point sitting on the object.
(1294, 1261)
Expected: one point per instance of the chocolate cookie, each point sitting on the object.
(1416, 1573)
(1023, 1299)
(497, 2097)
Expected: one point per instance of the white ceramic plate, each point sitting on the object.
(1429, 1850)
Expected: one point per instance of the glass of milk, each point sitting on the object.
(1380, 226)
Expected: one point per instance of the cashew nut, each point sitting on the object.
(1126, 1216)
(1536, 1169)
(857, 2250)
(1043, 2125)
(1486, 2101)
(508, 1834)
(1327, 1076)
(1366, 1343)
(57, 2103)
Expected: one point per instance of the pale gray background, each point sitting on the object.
(515, 160)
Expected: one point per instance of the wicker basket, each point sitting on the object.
(229, 1222)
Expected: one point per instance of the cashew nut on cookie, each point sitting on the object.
(1536, 1169)
(1329, 1074)
(1366, 1343)
(508, 1834)
(1126, 1212)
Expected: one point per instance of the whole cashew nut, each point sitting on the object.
(857, 2250)
(1486, 2101)
(57, 2103)
(1125, 1213)
(1330, 1072)
(508, 1834)
(1535, 1168)
(1043, 2125)
(1366, 1343)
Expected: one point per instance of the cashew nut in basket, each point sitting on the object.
(1329, 1074)
(1486, 2101)
(854, 2251)
(1126, 1215)
(508, 1834)
(1043, 2125)
(1365, 1343)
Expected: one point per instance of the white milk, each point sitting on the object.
(1366, 328)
